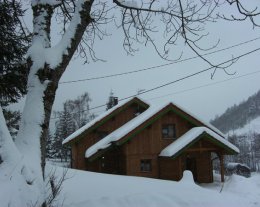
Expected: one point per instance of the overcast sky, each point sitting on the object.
(200, 94)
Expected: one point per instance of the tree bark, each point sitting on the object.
(221, 158)
(43, 82)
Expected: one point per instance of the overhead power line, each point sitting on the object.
(193, 74)
(180, 79)
(206, 85)
(158, 66)
(198, 87)
(190, 89)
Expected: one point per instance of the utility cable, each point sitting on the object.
(180, 79)
(193, 74)
(205, 85)
(158, 66)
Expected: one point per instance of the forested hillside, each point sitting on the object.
(238, 116)
(241, 123)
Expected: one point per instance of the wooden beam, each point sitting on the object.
(180, 167)
(202, 149)
(200, 144)
(221, 158)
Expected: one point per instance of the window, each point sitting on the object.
(169, 131)
(137, 109)
(146, 165)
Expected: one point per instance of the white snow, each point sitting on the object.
(84, 188)
(191, 135)
(251, 127)
(207, 124)
(232, 165)
(40, 51)
(14, 191)
(55, 54)
(132, 124)
(28, 138)
(49, 2)
(8, 152)
(122, 131)
(151, 109)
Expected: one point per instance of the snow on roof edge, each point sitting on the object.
(123, 130)
(235, 164)
(201, 120)
(132, 124)
(97, 119)
(191, 135)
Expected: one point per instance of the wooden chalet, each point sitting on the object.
(134, 138)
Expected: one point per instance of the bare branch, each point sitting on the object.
(245, 13)
(181, 22)
(54, 185)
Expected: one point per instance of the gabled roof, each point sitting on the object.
(193, 135)
(122, 131)
(136, 125)
(234, 165)
(99, 120)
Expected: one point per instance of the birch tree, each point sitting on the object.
(181, 20)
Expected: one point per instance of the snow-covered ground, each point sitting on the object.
(102, 190)
(251, 127)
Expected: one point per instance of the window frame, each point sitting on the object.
(146, 165)
(168, 134)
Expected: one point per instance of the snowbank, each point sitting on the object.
(98, 190)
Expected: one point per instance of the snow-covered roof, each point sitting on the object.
(205, 123)
(137, 121)
(96, 120)
(134, 123)
(232, 165)
(189, 137)
(123, 130)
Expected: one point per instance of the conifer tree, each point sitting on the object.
(79, 109)
(65, 126)
(12, 120)
(13, 44)
(74, 115)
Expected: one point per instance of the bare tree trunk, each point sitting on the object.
(14, 171)
(43, 82)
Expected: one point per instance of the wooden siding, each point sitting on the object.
(74, 156)
(113, 162)
(147, 145)
(204, 168)
(150, 141)
(79, 148)
(170, 169)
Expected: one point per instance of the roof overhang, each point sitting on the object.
(143, 121)
(100, 120)
(193, 136)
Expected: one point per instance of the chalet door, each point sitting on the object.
(191, 165)
(110, 165)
